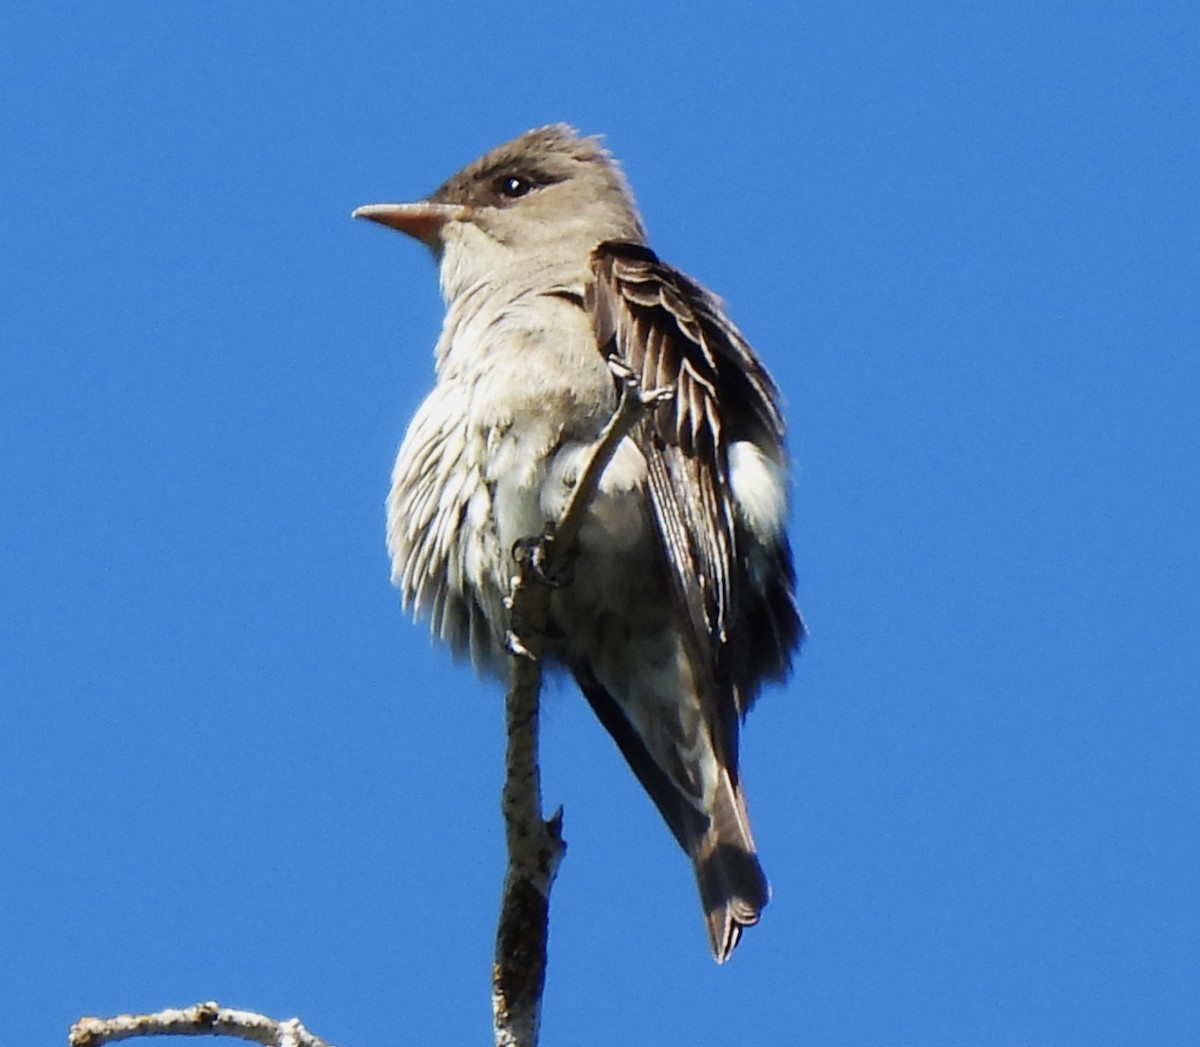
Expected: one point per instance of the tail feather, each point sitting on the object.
(733, 887)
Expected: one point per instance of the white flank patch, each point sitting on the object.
(760, 490)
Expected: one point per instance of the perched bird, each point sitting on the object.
(681, 601)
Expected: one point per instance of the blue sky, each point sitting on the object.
(965, 240)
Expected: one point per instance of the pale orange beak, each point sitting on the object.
(422, 221)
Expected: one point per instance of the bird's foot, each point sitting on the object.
(632, 385)
(545, 560)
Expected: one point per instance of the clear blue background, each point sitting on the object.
(965, 238)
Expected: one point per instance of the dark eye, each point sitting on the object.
(513, 186)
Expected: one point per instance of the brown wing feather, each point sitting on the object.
(671, 331)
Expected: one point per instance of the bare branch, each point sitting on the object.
(204, 1019)
(535, 846)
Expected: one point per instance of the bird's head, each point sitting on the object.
(543, 200)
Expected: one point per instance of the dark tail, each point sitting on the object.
(733, 888)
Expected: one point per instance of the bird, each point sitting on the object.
(681, 604)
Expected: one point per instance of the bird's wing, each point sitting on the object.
(671, 332)
(734, 586)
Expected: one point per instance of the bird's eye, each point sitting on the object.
(513, 186)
